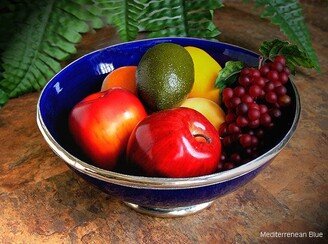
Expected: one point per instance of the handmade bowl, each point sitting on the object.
(163, 197)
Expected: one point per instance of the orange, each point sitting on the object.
(124, 77)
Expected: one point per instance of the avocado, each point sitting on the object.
(165, 76)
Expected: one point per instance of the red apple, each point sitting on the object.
(101, 124)
(178, 142)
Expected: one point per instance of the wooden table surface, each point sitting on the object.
(41, 200)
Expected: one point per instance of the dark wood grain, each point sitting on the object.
(41, 200)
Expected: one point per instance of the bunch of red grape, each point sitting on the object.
(253, 107)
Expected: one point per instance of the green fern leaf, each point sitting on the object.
(3, 98)
(124, 14)
(47, 36)
(180, 18)
(287, 14)
(11, 15)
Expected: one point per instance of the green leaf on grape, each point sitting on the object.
(293, 55)
(228, 75)
(270, 49)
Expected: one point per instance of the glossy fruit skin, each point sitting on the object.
(165, 76)
(211, 110)
(101, 124)
(124, 77)
(206, 72)
(165, 144)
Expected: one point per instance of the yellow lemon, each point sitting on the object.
(206, 71)
(211, 110)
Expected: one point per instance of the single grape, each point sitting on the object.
(233, 128)
(269, 86)
(276, 83)
(227, 93)
(263, 108)
(283, 77)
(255, 91)
(271, 125)
(247, 99)
(253, 106)
(235, 157)
(271, 97)
(273, 75)
(230, 117)
(241, 109)
(253, 114)
(245, 71)
(228, 104)
(254, 124)
(241, 121)
(228, 165)
(265, 119)
(280, 59)
(223, 129)
(264, 69)
(235, 101)
(220, 166)
(277, 66)
(254, 72)
(235, 137)
(284, 100)
(260, 81)
(245, 140)
(259, 133)
(244, 81)
(280, 90)
(239, 91)
(227, 141)
(275, 112)
(276, 105)
(254, 141)
(249, 150)
(223, 157)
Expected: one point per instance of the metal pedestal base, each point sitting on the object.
(169, 212)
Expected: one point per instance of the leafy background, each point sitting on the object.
(35, 36)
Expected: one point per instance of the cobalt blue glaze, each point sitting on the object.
(166, 198)
(85, 75)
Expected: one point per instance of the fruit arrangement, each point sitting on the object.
(179, 114)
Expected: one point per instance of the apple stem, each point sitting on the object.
(202, 138)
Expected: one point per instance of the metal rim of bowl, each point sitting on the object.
(157, 182)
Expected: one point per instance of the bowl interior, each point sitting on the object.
(85, 75)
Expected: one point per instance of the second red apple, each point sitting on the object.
(176, 143)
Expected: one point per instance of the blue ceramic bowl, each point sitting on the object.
(157, 196)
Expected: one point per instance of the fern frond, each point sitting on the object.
(11, 16)
(124, 14)
(180, 18)
(3, 98)
(287, 14)
(47, 36)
